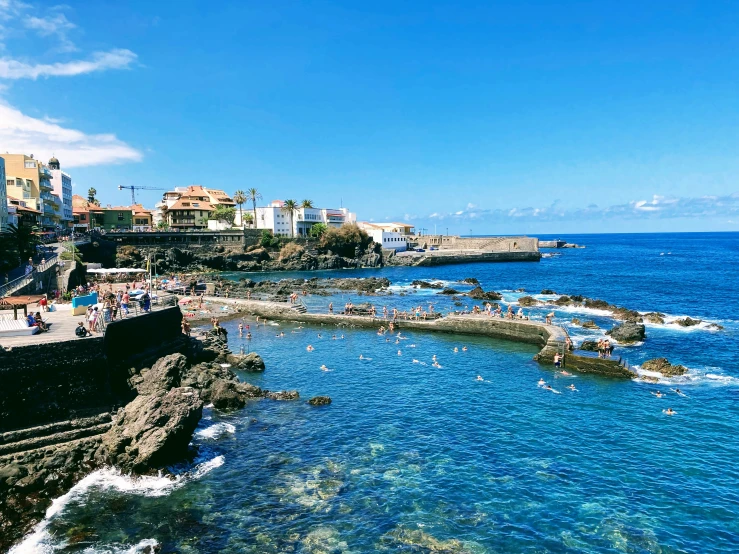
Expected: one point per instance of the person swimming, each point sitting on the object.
(324, 368)
(361, 357)
(464, 349)
(248, 335)
(658, 394)
(541, 382)
(572, 387)
(309, 348)
(436, 364)
(456, 349)
(416, 361)
(669, 411)
(479, 378)
(319, 336)
(400, 353)
(565, 373)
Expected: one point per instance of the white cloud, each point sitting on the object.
(100, 61)
(55, 24)
(22, 133)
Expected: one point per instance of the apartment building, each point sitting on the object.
(274, 218)
(62, 187)
(189, 207)
(4, 221)
(29, 180)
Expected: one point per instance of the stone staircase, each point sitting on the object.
(23, 441)
(300, 308)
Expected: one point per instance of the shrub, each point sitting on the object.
(266, 237)
(345, 240)
(291, 250)
(68, 256)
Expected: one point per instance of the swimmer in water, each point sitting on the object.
(248, 336)
(464, 349)
(565, 373)
(658, 394)
(436, 364)
(572, 387)
(669, 411)
(400, 353)
(541, 382)
(550, 389)
(333, 338)
(456, 349)
(319, 335)
(361, 357)
(479, 378)
(387, 340)
(309, 348)
(433, 357)
(324, 368)
(241, 329)
(416, 361)
(397, 341)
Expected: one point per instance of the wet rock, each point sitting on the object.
(686, 322)
(153, 430)
(527, 301)
(426, 285)
(590, 324)
(470, 281)
(548, 291)
(715, 327)
(283, 395)
(450, 291)
(575, 321)
(627, 332)
(654, 317)
(625, 314)
(663, 366)
(597, 304)
(563, 301)
(589, 346)
(520, 290)
(232, 395)
(320, 401)
(252, 362)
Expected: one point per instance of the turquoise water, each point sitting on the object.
(412, 458)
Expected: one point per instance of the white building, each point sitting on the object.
(274, 218)
(392, 236)
(4, 221)
(62, 184)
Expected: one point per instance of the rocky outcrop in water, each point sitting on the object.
(589, 346)
(686, 322)
(590, 324)
(427, 285)
(627, 332)
(470, 281)
(251, 362)
(153, 430)
(654, 317)
(528, 301)
(320, 401)
(663, 366)
(450, 291)
(478, 294)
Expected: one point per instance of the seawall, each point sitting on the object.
(550, 338)
(446, 257)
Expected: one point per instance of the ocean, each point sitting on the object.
(414, 458)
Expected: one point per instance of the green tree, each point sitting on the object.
(266, 238)
(318, 229)
(240, 198)
(253, 195)
(163, 226)
(91, 192)
(290, 207)
(202, 221)
(23, 239)
(345, 240)
(249, 219)
(223, 213)
(306, 204)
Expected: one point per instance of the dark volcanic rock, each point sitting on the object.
(478, 294)
(232, 395)
(627, 332)
(165, 374)
(548, 291)
(661, 365)
(654, 317)
(563, 301)
(153, 430)
(470, 281)
(686, 322)
(449, 291)
(426, 285)
(589, 346)
(597, 304)
(246, 362)
(590, 324)
(320, 401)
(282, 395)
(625, 314)
(528, 301)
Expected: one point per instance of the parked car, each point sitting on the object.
(433, 248)
(420, 250)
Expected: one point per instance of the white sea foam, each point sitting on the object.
(122, 549)
(694, 376)
(40, 541)
(216, 430)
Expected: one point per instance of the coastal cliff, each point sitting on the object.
(131, 400)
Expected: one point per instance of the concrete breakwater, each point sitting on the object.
(447, 257)
(550, 338)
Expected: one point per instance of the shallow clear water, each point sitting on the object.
(412, 458)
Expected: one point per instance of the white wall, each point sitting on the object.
(389, 241)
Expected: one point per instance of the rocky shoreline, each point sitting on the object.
(151, 432)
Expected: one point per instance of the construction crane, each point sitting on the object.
(134, 188)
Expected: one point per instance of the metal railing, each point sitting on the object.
(16, 284)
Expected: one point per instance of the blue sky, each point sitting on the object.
(528, 117)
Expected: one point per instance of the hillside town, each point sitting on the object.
(39, 196)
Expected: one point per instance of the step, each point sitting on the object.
(52, 428)
(56, 438)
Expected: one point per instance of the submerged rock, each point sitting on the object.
(282, 395)
(590, 324)
(715, 327)
(563, 300)
(547, 291)
(320, 401)
(626, 314)
(627, 332)
(663, 366)
(470, 281)
(597, 304)
(426, 285)
(589, 346)
(575, 321)
(450, 291)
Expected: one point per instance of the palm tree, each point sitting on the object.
(290, 207)
(24, 239)
(240, 198)
(91, 192)
(253, 195)
(306, 204)
(248, 218)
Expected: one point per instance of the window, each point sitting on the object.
(83, 217)
(120, 216)
(30, 164)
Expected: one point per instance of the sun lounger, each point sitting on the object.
(16, 328)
